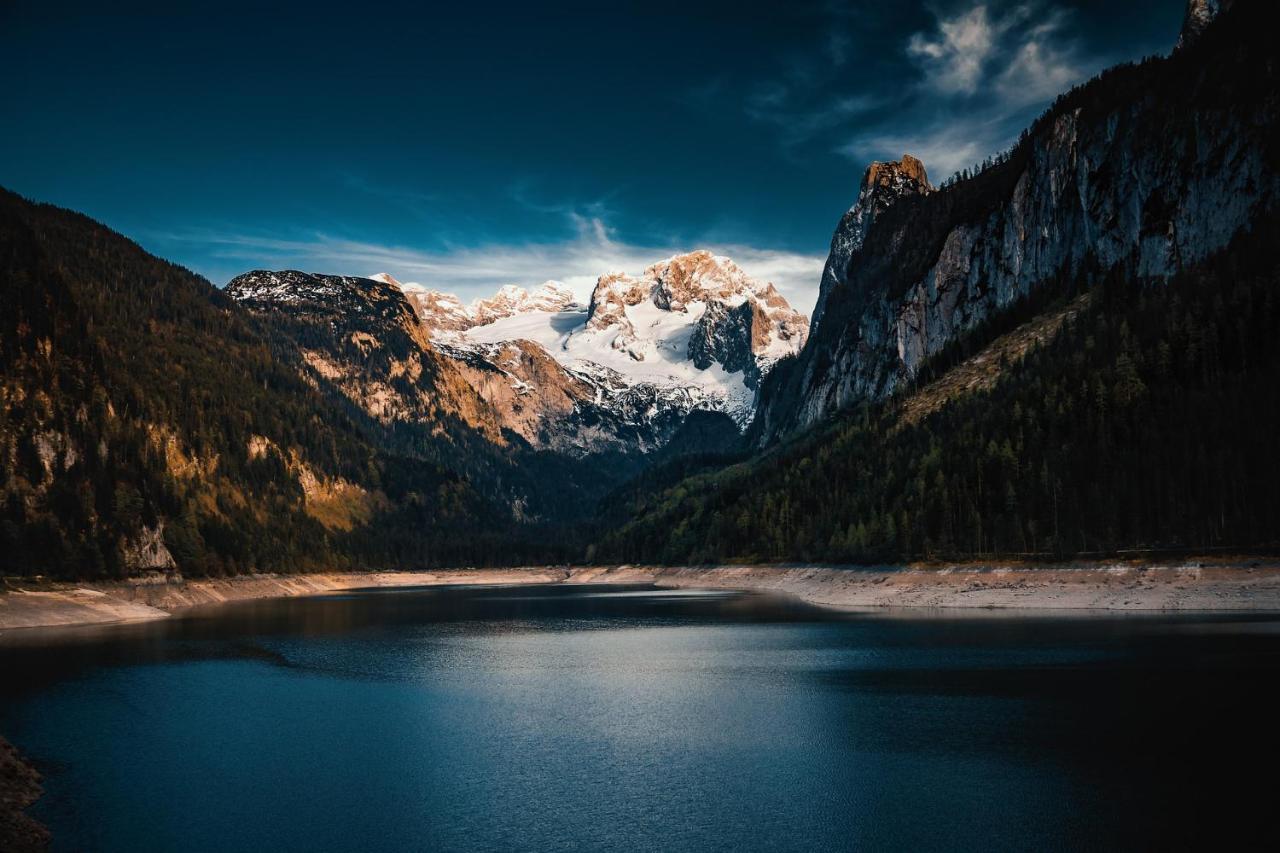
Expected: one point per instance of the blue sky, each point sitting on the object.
(477, 144)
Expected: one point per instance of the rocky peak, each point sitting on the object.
(441, 311)
(897, 175)
(882, 185)
(1199, 15)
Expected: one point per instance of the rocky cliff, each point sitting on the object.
(1147, 168)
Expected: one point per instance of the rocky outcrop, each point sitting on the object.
(1199, 14)
(730, 336)
(882, 185)
(146, 552)
(1147, 169)
(19, 788)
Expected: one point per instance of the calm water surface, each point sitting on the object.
(621, 718)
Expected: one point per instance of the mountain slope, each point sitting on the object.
(360, 341)
(1148, 168)
(147, 422)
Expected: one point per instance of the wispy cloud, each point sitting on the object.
(951, 93)
(955, 55)
(983, 70)
(593, 249)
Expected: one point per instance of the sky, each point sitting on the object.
(469, 145)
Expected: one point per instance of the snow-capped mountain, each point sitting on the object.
(692, 332)
(694, 324)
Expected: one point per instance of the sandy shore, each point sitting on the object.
(1221, 585)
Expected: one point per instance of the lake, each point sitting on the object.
(630, 718)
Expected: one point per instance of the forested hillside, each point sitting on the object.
(1149, 421)
(146, 423)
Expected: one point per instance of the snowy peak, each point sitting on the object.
(387, 278)
(445, 312)
(707, 288)
(512, 300)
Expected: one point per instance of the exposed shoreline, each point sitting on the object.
(1228, 585)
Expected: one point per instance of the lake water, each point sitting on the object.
(611, 718)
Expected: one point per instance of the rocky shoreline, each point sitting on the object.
(19, 788)
(1241, 584)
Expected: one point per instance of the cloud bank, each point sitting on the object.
(593, 250)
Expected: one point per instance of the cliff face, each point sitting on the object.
(1148, 168)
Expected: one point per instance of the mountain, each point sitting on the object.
(361, 342)
(697, 307)
(1072, 351)
(360, 338)
(692, 332)
(619, 376)
(1150, 168)
(148, 421)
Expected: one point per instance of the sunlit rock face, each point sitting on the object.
(1113, 178)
